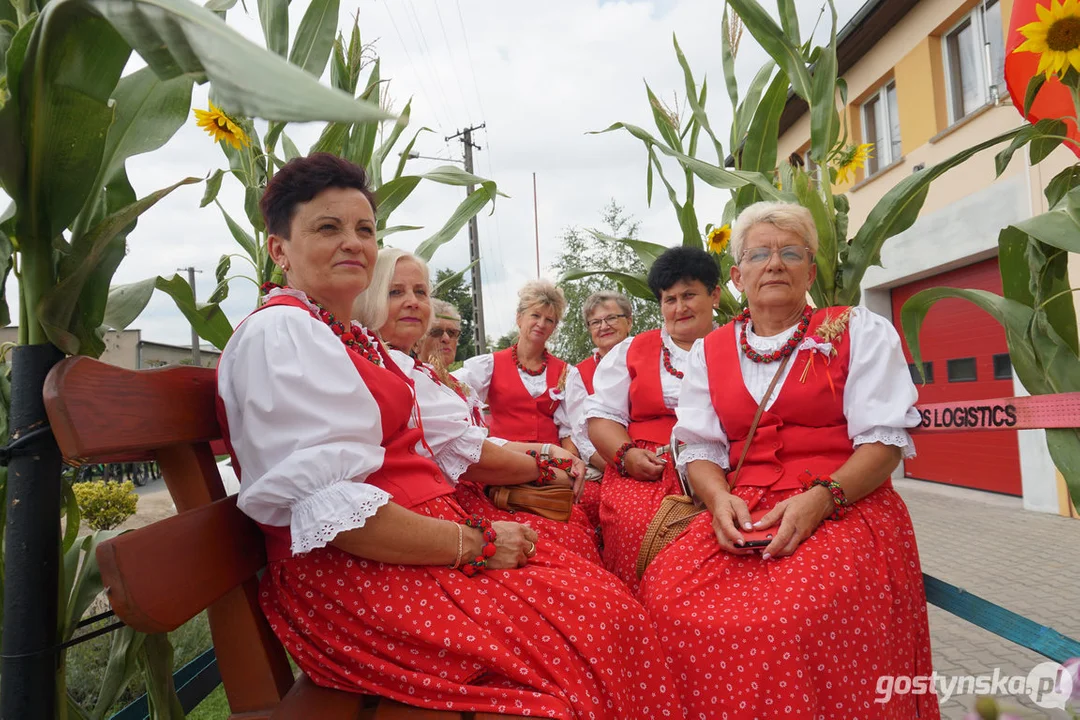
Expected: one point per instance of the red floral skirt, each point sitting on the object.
(590, 502)
(805, 636)
(576, 535)
(559, 638)
(627, 506)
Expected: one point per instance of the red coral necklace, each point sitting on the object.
(785, 349)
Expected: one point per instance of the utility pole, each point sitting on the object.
(196, 354)
(474, 243)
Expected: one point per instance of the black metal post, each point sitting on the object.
(32, 547)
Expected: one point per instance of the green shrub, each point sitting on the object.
(105, 505)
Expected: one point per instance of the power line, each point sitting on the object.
(468, 52)
(412, 66)
(425, 49)
(453, 64)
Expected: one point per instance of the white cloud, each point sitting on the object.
(542, 75)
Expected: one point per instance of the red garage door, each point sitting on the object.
(967, 359)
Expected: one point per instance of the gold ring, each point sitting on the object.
(531, 551)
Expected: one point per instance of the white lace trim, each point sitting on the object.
(897, 437)
(456, 456)
(597, 413)
(319, 518)
(703, 451)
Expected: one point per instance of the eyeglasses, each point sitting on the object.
(609, 321)
(789, 254)
(436, 333)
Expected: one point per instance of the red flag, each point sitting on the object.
(1054, 99)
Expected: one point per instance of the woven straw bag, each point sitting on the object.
(677, 511)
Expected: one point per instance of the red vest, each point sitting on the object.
(410, 478)
(516, 415)
(587, 368)
(650, 419)
(804, 429)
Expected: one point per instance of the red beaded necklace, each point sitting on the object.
(527, 371)
(785, 350)
(358, 342)
(666, 355)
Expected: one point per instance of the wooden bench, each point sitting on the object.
(207, 556)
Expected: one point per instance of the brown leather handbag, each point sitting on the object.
(676, 511)
(554, 502)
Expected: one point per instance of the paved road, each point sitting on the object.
(1022, 560)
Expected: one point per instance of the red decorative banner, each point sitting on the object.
(1018, 413)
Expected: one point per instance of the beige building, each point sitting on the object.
(127, 349)
(925, 81)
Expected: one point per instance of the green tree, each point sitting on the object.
(510, 338)
(586, 249)
(460, 296)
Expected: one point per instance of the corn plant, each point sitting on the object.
(69, 121)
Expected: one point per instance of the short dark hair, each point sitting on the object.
(683, 263)
(300, 180)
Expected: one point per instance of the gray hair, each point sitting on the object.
(371, 307)
(541, 292)
(599, 298)
(784, 216)
(442, 310)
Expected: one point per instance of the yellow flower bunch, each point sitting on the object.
(220, 127)
(1055, 36)
(718, 239)
(850, 160)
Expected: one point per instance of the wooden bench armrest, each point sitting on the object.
(160, 576)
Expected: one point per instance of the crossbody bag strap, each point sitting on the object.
(760, 412)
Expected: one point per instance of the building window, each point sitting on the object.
(928, 373)
(881, 126)
(974, 60)
(962, 370)
(1002, 367)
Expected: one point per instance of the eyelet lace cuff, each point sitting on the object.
(455, 457)
(703, 451)
(319, 518)
(897, 437)
(596, 413)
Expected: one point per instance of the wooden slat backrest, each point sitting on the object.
(160, 575)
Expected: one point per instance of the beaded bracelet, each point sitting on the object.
(480, 562)
(548, 466)
(620, 457)
(840, 500)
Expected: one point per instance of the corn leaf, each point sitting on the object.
(315, 36)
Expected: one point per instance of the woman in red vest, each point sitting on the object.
(524, 385)
(398, 302)
(608, 317)
(632, 409)
(807, 625)
(378, 581)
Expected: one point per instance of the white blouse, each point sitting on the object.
(879, 396)
(304, 426)
(454, 440)
(476, 372)
(611, 383)
(576, 395)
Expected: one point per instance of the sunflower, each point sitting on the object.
(851, 159)
(221, 127)
(718, 238)
(1055, 36)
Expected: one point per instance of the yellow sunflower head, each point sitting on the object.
(1055, 36)
(850, 160)
(221, 127)
(718, 239)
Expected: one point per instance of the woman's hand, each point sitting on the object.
(729, 514)
(643, 465)
(514, 545)
(799, 517)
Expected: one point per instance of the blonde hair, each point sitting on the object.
(784, 216)
(371, 307)
(541, 292)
